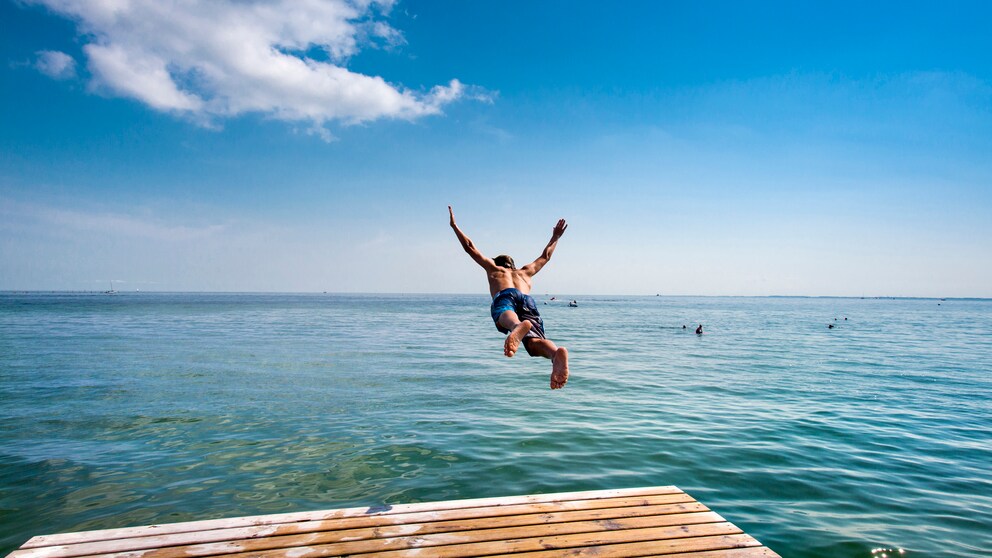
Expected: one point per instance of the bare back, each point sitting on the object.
(501, 278)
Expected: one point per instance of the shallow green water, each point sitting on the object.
(134, 409)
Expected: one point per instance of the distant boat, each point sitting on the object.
(112, 289)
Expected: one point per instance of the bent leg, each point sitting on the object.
(508, 320)
(540, 347)
(518, 329)
(558, 356)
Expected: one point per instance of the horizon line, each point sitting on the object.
(136, 291)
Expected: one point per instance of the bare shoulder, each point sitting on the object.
(528, 270)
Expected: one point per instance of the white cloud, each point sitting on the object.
(387, 33)
(55, 64)
(135, 74)
(220, 58)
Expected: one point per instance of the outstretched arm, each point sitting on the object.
(535, 266)
(469, 246)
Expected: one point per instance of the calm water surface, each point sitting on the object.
(144, 408)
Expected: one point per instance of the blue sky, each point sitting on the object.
(714, 148)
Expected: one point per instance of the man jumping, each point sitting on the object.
(513, 309)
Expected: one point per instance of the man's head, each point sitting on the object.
(504, 261)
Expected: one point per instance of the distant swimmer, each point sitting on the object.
(699, 330)
(513, 309)
(830, 326)
(574, 304)
(683, 326)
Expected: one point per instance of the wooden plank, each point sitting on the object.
(273, 519)
(303, 543)
(268, 537)
(719, 546)
(642, 522)
(215, 535)
(261, 538)
(515, 545)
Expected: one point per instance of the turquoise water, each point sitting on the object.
(143, 408)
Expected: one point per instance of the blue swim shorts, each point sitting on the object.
(523, 305)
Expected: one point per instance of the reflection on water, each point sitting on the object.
(870, 438)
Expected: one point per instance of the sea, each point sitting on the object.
(871, 437)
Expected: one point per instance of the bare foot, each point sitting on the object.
(514, 337)
(559, 368)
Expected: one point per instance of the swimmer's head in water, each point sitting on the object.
(504, 261)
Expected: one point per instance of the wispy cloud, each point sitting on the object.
(381, 238)
(70, 221)
(55, 64)
(222, 58)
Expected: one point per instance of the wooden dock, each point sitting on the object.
(654, 521)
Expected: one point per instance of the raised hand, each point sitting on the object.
(559, 228)
(452, 214)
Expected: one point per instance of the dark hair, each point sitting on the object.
(504, 261)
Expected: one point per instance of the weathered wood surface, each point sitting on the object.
(654, 521)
